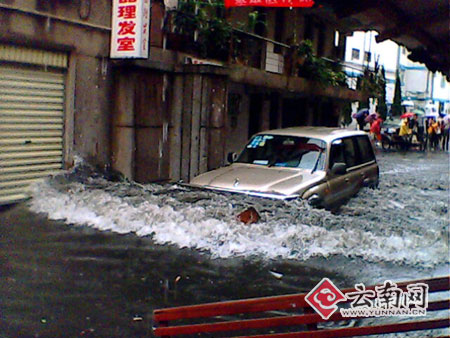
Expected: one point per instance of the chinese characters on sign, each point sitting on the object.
(385, 300)
(130, 28)
(269, 3)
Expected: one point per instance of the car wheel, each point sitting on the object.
(374, 185)
(315, 201)
(385, 144)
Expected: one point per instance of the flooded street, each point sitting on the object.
(88, 256)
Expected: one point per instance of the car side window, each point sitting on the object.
(365, 149)
(336, 153)
(350, 152)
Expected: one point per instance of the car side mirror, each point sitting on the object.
(232, 157)
(339, 168)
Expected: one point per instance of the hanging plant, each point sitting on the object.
(215, 34)
(215, 38)
(186, 20)
(315, 68)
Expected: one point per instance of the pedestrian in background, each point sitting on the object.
(446, 134)
(405, 133)
(375, 129)
(432, 135)
(361, 119)
(417, 130)
(439, 129)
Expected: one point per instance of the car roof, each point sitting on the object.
(323, 133)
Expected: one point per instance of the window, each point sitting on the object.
(355, 54)
(285, 152)
(336, 153)
(365, 150)
(308, 33)
(367, 56)
(352, 151)
(349, 152)
(443, 82)
(279, 28)
(261, 23)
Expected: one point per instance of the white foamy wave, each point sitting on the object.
(207, 222)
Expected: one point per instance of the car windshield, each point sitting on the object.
(285, 151)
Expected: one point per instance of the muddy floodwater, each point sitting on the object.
(90, 256)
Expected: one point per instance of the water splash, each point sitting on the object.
(377, 225)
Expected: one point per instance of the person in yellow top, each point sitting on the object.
(434, 132)
(404, 128)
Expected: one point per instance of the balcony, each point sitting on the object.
(258, 52)
(259, 61)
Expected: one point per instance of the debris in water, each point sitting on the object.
(277, 275)
(82, 333)
(398, 205)
(249, 216)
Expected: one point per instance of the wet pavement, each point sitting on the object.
(114, 251)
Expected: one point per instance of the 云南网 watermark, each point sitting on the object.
(384, 300)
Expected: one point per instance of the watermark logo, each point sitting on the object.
(384, 300)
(387, 300)
(324, 297)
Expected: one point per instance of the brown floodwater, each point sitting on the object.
(71, 277)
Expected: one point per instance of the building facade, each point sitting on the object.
(420, 87)
(170, 116)
(55, 92)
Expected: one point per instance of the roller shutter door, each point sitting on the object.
(31, 128)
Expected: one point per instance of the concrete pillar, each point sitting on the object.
(175, 132)
(123, 144)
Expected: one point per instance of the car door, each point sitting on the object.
(368, 166)
(338, 184)
(353, 177)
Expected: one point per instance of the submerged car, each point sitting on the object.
(325, 166)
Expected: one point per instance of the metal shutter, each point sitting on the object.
(31, 128)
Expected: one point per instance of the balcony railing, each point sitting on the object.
(259, 52)
(250, 50)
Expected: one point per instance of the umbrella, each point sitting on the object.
(418, 112)
(371, 117)
(407, 115)
(432, 114)
(360, 113)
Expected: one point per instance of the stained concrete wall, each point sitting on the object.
(203, 123)
(140, 124)
(168, 125)
(88, 48)
(92, 111)
(237, 121)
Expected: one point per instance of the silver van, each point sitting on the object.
(325, 166)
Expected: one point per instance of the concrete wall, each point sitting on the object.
(237, 121)
(168, 125)
(90, 88)
(140, 138)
